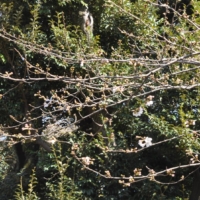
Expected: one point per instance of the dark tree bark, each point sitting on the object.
(195, 195)
(21, 157)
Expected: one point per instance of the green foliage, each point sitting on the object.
(119, 115)
(30, 195)
(64, 187)
(4, 166)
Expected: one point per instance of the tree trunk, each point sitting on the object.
(195, 195)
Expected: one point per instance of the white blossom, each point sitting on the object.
(82, 63)
(146, 142)
(52, 140)
(149, 100)
(141, 143)
(117, 89)
(137, 112)
(3, 138)
(149, 103)
(114, 89)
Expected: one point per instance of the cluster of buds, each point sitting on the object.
(124, 184)
(151, 174)
(190, 123)
(194, 159)
(75, 146)
(107, 173)
(28, 127)
(170, 172)
(137, 172)
(87, 160)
